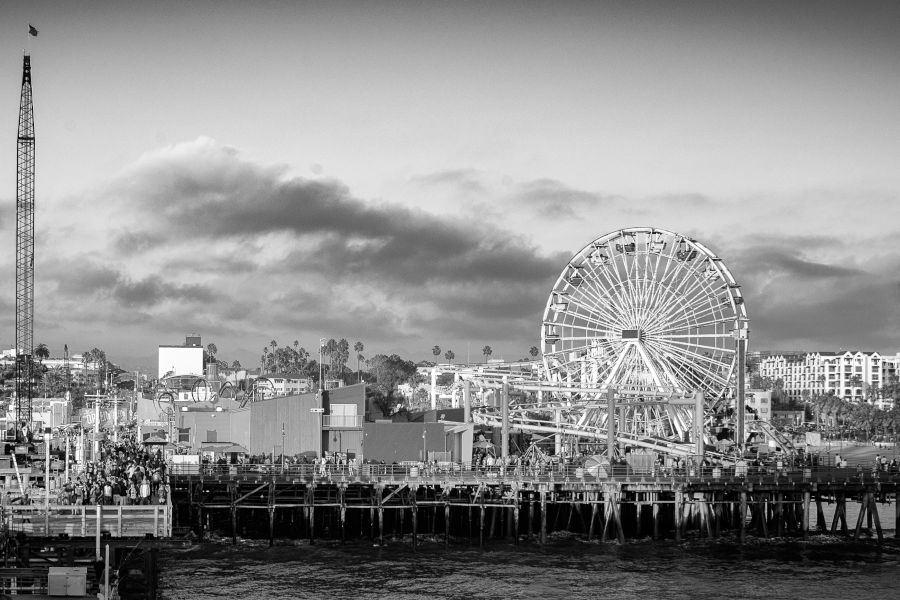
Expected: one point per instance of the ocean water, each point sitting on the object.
(567, 567)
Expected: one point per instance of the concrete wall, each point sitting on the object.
(397, 442)
(301, 426)
(202, 422)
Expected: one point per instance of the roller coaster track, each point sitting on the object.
(521, 422)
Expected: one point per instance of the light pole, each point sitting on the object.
(321, 360)
(320, 399)
(282, 447)
(424, 452)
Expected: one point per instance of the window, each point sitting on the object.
(343, 415)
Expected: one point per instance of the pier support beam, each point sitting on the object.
(311, 504)
(873, 511)
(743, 517)
(378, 496)
(446, 523)
(805, 523)
(863, 507)
(342, 491)
(821, 526)
(543, 517)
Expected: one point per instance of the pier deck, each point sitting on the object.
(338, 502)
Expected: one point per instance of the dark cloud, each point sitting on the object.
(782, 262)
(795, 299)
(152, 290)
(466, 180)
(81, 279)
(552, 198)
(270, 256)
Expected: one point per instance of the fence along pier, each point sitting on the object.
(399, 503)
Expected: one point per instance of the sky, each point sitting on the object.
(411, 174)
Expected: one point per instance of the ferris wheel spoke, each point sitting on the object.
(580, 320)
(701, 346)
(692, 370)
(666, 295)
(691, 336)
(596, 305)
(687, 320)
(698, 358)
(628, 309)
(698, 294)
(602, 298)
(724, 321)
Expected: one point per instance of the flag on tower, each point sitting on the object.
(32, 30)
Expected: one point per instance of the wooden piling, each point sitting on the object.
(414, 512)
(481, 520)
(896, 513)
(655, 504)
(311, 514)
(531, 514)
(743, 517)
(515, 511)
(862, 515)
(446, 523)
(679, 501)
(543, 517)
(638, 506)
(779, 514)
(763, 508)
(821, 526)
(379, 492)
(342, 490)
(805, 522)
(873, 511)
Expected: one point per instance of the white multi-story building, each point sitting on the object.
(851, 375)
(186, 359)
(79, 370)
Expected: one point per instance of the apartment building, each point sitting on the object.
(851, 375)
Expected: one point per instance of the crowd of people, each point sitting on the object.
(126, 473)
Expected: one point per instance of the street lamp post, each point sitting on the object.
(320, 399)
(424, 451)
(321, 361)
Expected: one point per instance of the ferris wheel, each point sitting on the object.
(647, 312)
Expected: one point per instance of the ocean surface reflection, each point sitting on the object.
(566, 568)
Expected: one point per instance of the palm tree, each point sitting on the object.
(211, 350)
(534, 351)
(486, 351)
(236, 365)
(436, 351)
(449, 355)
(41, 352)
(358, 348)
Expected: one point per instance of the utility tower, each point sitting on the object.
(24, 254)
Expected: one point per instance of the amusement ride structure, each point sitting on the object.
(644, 340)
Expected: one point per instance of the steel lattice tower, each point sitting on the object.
(24, 253)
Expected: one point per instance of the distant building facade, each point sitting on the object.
(852, 375)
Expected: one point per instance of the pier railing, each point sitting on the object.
(465, 472)
(87, 520)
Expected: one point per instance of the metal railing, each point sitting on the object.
(466, 472)
(84, 520)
